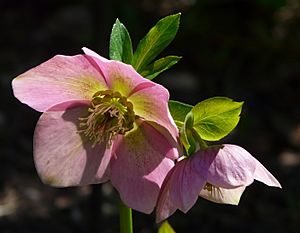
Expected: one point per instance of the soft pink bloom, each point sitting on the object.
(219, 174)
(101, 121)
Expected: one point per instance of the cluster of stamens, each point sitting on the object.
(110, 114)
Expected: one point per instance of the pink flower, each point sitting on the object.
(101, 121)
(219, 174)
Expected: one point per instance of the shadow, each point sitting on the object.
(94, 155)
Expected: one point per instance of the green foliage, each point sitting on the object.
(120, 46)
(165, 227)
(179, 111)
(156, 40)
(154, 69)
(216, 117)
(188, 137)
(183, 118)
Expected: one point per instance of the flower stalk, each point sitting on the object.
(125, 218)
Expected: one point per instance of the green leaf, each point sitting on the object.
(154, 69)
(178, 111)
(156, 40)
(120, 46)
(165, 227)
(216, 117)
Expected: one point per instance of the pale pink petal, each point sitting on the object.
(139, 166)
(234, 166)
(64, 157)
(186, 184)
(120, 77)
(182, 186)
(152, 104)
(180, 190)
(60, 79)
(263, 175)
(223, 196)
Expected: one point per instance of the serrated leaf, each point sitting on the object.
(154, 69)
(120, 46)
(179, 111)
(165, 227)
(216, 117)
(156, 40)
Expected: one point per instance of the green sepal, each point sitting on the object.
(179, 111)
(120, 46)
(155, 41)
(157, 67)
(216, 117)
(165, 227)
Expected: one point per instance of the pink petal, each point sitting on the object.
(151, 103)
(140, 165)
(120, 77)
(69, 104)
(60, 79)
(165, 206)
(223, 196)
(165, 138)
(234, 166)
(93, 54)
(150, 100)
(63, 157)
(180, 190)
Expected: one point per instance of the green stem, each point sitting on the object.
(125, 218)
(200, 141)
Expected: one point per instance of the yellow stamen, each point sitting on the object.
(110, 114)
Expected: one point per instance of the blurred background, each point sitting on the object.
(246, 50)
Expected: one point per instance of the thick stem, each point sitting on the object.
(125, 218)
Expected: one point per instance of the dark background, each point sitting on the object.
(246, 50)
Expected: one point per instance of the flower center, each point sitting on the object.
(110, 114)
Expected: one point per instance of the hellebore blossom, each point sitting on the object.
(218, 173)
(101, 121)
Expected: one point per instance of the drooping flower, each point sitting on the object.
(101, 121)
(219, 174)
